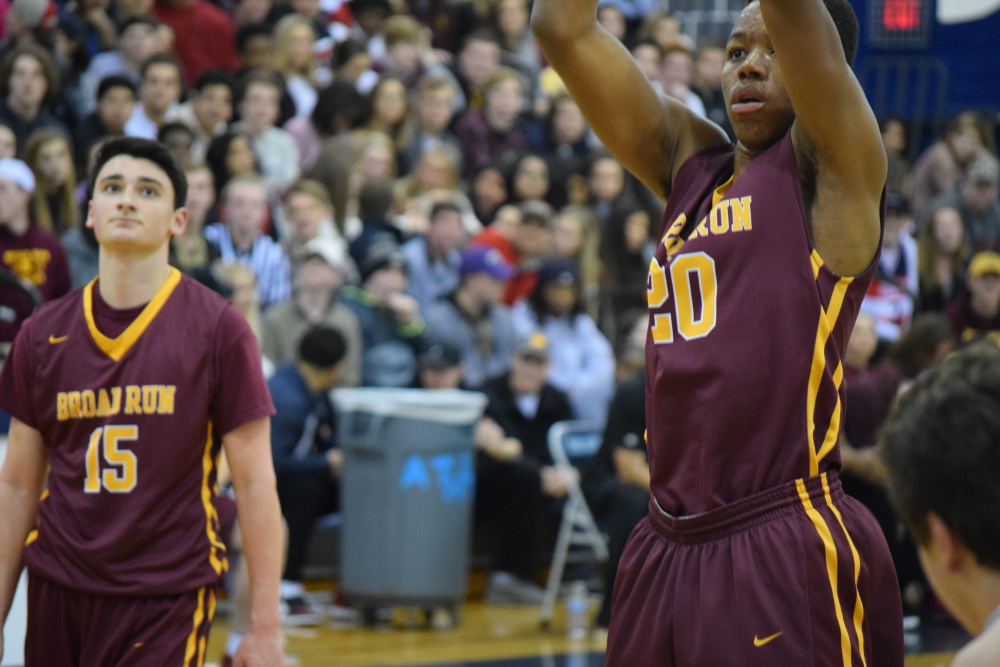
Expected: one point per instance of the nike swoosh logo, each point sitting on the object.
(758, 642)
(55, 340)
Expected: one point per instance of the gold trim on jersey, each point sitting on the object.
(194, 651)
(827, 320)
(720, 192)
(117, 347)
(859, 607)
(210, 464)
(33, 535)
(830, 551)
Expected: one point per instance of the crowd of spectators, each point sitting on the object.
(412, 174)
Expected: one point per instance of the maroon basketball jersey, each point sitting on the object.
(747, 329)
(132, 428)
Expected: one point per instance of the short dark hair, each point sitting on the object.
(376, 198)
(261, 75)
(109, 83)
(340, 103)
(247, 32)
(941, 448)
(847, 25)
(322, 347)
(213, 77)
(142, 149)
(147, 21)
(160, 59)
(443, 207)
(170, 128)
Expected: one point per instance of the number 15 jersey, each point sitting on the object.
(748, 327)
(132, 428)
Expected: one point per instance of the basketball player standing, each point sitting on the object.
(125, 390)
(750, 554)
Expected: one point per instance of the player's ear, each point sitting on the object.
(945, 545)
(89, 222)
(179, 222)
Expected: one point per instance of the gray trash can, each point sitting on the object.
(407, 495)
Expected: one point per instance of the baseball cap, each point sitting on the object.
(485, 259)
(559, 271)
(441, 356)
(984, 263)
(331, 252)
(19, 172)
(984, 169)
(536, 345)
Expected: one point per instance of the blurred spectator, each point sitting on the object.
(433, 258)
(441, 367)
(519, 49)
(28, 83)
(676, 77)
(190, 251)
(894, 138)
(605, 185)
(54, 206)
(389, 111)
(564, 138)
(940, 448)
(254, 46)
(338, 108)
(239, 238)
(178, 138)
(307, 459)
(473, 319)
(583, 364)
(258, 103)
(116, 98)
(525, 244)
(665, 29)
(611, 17)
(8, 141)
(626, 250)
(487, 193)
(319, 271)
(376, 202)
(309, 215)
(529, 179)
(517, 484)
(648, 54)
(27, 251)
(208, 110)
(231, 155)
(475, 65)
(978, 312)
(433, 110)
(137, 42)
(204, 35)
(976, 199)
(493, 132)
(434, 179)
(293, 59)
(891, 295)
(941, 255)
(707, 84)
(392, 329)
(939, 169)
(160, 90)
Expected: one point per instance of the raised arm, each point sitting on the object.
(21, 480)
(835, 128)
(650, 134)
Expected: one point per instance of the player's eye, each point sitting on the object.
(736, 53)
(149, 192)
(111, 188)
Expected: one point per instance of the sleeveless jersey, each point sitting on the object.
(132, 428)
(747, 330)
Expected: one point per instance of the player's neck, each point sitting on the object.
(131, 281)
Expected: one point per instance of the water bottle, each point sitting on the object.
(577, 611)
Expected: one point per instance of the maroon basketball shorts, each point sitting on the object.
(69, 628)
(797, 575)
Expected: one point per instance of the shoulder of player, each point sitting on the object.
(981, 651)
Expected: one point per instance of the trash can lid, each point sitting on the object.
(447, 406)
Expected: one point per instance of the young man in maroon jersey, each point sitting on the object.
(750, 554)
(123, 390)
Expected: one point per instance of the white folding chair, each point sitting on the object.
(572, 442)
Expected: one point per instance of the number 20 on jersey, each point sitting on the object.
(694, 300)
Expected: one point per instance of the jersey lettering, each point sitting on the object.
(119, 473)
(695, 284)
(147, 399)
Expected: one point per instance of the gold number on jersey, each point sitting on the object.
(688, 272)
(119, 474)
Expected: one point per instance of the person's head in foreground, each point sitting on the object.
(941, 448)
